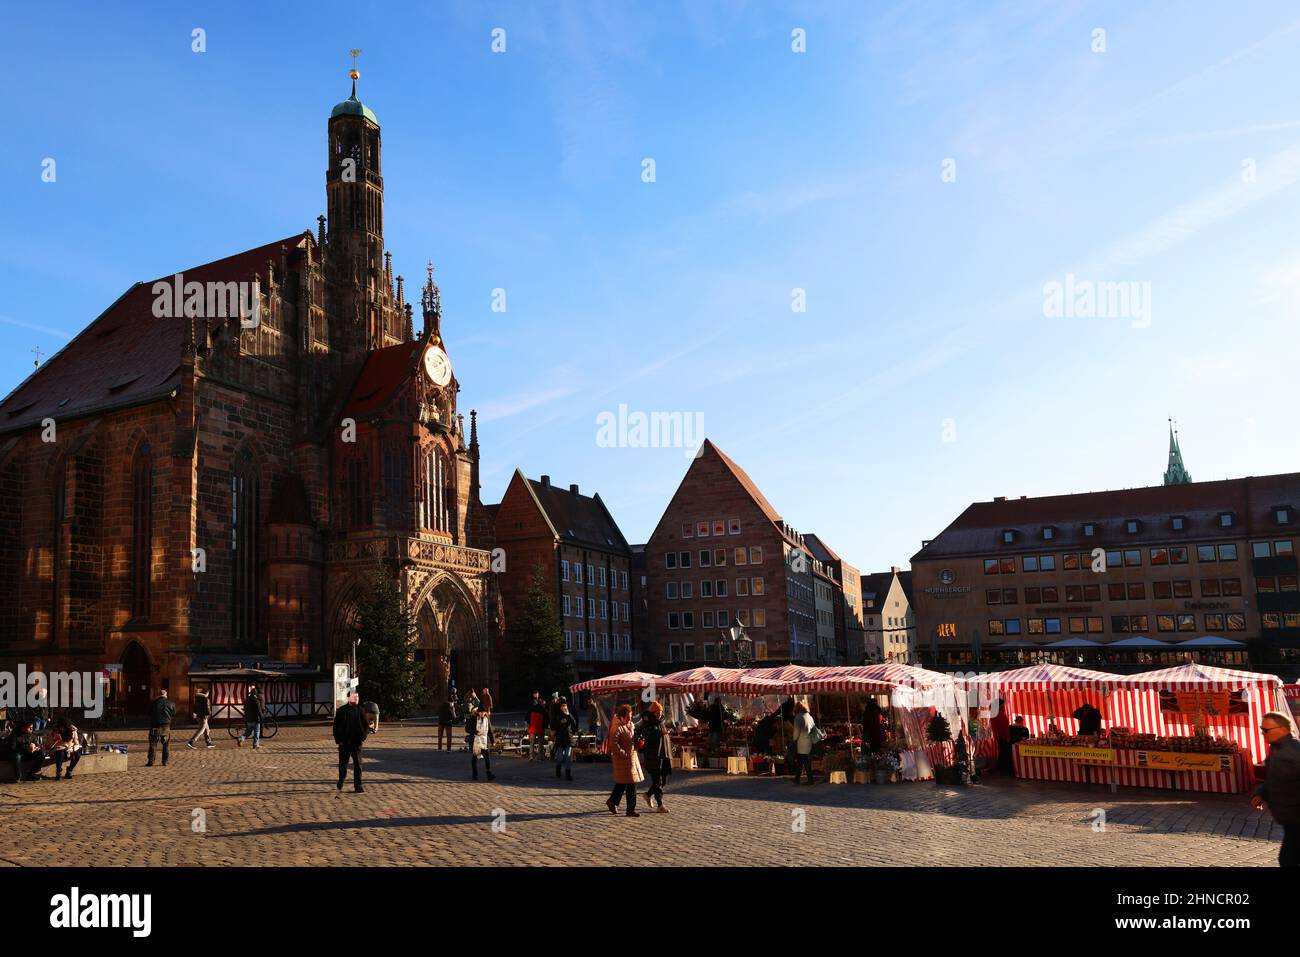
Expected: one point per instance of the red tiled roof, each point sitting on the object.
(127, 355)
(384, 370)
(979, 528)
(580, 519)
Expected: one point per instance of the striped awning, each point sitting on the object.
(630, 681)
(1042, 677)
(735, 681)
(868, 679)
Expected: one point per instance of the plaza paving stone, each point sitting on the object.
(279, 806)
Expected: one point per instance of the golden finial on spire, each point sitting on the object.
(354, 72)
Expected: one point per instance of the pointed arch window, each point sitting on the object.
(141, 531)
(244, 509)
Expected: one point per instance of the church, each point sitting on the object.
(186, 480)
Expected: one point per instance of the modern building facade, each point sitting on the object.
(582, 553)
(1169, 563)
(218, 462)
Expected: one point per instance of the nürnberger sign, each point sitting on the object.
(946, 587)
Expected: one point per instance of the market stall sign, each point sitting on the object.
(1081, 755)
(1203, 702)
(1183, 761)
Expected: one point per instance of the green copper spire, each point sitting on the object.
(1176, 474)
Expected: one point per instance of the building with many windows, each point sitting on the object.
(722, 554)
(582, 552)
(1171, 562)
(889, 626)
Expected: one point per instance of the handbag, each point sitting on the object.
(816, 735)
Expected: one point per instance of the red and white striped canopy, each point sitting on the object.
(1197, 677)
(721, 681)
(1040, 677)
(867, 679)
(631, 681)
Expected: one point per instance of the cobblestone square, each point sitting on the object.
(278, 806)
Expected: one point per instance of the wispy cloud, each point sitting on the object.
(524, 401)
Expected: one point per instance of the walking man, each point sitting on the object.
(202, 711)
(1280, 792)
(161, 713)
(350, 731)
(254, 708)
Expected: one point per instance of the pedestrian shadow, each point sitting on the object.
(440, 820)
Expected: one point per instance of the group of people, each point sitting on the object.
(627, 742)
(28, 750)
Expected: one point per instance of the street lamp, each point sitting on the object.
(735, 643)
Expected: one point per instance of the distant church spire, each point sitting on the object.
(431, 301)
(1176, 473)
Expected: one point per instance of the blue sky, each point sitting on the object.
(924, 373)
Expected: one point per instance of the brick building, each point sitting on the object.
(1173, 562)
(219, 459)
(721, 553)
(577, 543)
(837, 583)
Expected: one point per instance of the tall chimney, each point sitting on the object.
(573, 489)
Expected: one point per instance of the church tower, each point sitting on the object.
(1176, 473)
(367, 305)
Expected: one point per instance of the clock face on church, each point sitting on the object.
(437, 366)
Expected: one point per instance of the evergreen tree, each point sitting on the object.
(938, 729)
(386, 656)
(536, 643)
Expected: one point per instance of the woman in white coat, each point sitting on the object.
(803, 741)
(481, 743)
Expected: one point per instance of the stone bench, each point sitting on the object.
(96, 762)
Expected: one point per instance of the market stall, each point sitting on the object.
(1192, 727)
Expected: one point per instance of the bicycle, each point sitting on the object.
(238, 726)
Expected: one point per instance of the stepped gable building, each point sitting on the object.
(587, 562)
(1166, 562)
(192, 476)
(721, 554)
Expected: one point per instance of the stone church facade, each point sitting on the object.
(204, 472)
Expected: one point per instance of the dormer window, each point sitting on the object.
(1008, 536)
(1282, 515)
(1089, 530)
(1132, 526)
(1225, 520)
(1049, 533)
(1179, 523)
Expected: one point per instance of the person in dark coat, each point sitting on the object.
(1089, 719)
(446, 715)
(350, 731)
(873, 725)
(1001, 725)
(716, 719)
(202, 711)
(656, 748)
(24, 748)
(1280, 792)
(564, 727)
(254, 709)
(161, 713)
